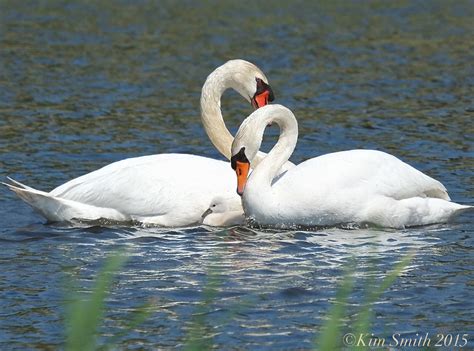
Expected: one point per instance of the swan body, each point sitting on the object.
(151, 189)
(157, 189)
(356, 186)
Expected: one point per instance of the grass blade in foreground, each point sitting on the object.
(362, 325)
(196, 338)
(86, 313)
(331, 339)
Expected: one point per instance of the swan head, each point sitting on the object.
(244, 149)
(263, 94)
(250, 82)
(222, 204)
(241, 165)
(224, 211)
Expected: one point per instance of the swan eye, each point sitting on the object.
(263, 95)
(240, 156)
(263, 87)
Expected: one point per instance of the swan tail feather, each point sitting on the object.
(415, 211)
(424, 211)
(56, 209)
(18, 184)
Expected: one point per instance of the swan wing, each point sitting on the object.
(165, 189)
(353, 186)
(370, 171)
(152, 185)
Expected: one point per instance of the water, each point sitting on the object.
(88, 83)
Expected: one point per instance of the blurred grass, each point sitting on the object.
(198, 337)
(87, 312)
(331, 336)
(374, 292)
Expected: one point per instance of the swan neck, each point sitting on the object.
(211, 116)
(270, 165)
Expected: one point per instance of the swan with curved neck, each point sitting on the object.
(156, 189)
(355, 186)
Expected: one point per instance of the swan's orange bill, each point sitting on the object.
(261, 99)
(242, 171)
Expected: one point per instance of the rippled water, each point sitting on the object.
(88, 83)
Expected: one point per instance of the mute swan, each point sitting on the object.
(156, 189)
(223, 212)
(356, 186)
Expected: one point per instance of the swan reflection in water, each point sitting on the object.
(241, 248)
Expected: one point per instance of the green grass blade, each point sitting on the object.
(362, 325)
(137, 317)
(196, 339)
(85, 314)
(330, 337)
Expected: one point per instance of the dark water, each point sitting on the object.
(84, 84)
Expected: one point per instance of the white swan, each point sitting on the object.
(356, 186)
(223, 212)
(157, 189)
